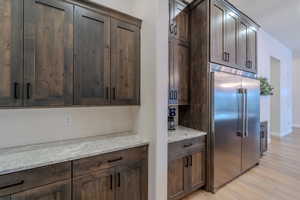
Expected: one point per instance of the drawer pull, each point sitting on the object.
(115, 160)
(119, 180)
(187, 145)
(111, 182)
(12, 185)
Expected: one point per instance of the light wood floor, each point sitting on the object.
(276, 178)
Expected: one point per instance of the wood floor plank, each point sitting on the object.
(276, 178)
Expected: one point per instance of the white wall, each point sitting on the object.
(28, 126)
(152, 117)
(275, 99)
(269, 47)
(296, 91)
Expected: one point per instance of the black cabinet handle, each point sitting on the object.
(228, 57)
(16, 90)
(186, 161)
(191, 161)
(114, 93)
(175, 29)
(119, 179)
(187, 145)
(12, 185)
(111, 182)
(115, 160)
(28, 87)
(107, 93)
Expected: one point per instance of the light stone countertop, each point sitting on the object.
(183, 133)
(33, 156)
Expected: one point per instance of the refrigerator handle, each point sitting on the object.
(246, 113)
(241, 131)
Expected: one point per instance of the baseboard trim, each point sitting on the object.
(282, 134)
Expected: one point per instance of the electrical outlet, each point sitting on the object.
(68, 120)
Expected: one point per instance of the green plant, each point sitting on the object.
(266, 88)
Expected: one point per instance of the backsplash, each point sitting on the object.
(31, 126)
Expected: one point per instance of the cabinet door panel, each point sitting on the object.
(125, 63)
(61, 191)
(48, 45)
(217, 33)
(177, 178)
(181, 72)
(181, 30)
(11, 54)
(95, 186)
(231, 37)
(242, 45)
(92, 75)
(251, 45)
(197, 176)
(130, 182)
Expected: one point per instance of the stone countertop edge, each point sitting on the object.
(18, 159)
(184, 133)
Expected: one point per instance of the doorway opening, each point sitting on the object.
(275, 99)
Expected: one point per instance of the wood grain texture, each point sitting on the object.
(125, 63)
(277, 177)
(181, 71)
(48, 53)
(11, 54)
(56, 191)
(92, 64)
(130, 182)
(95, 186)
(177, 178)
(29, 179)
(197, 177)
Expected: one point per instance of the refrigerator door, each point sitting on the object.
(251, 140)
(226, 127)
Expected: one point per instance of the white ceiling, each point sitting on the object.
(280, 18)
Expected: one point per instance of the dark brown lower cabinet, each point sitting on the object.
(56, 191)
(186, 171)
(120, 175)
(95, 186)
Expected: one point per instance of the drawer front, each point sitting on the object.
(24, 180)
(186, 147)
(109, 160)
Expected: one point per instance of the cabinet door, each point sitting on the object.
(171, 73)
(231, 37)
(177, 178)
(242, 45)
(92, 64)
(5, 198)
(181, 29)
(95, 186)
(11, 53)
(125, 63)
(181, 74)
(61, 191)
(251, 49)
(48, 53)
(217, 33)
(131, 182)
(197, 170)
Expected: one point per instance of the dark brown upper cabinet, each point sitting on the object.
(181, 72)
(125, 63)
(179, 20)
(11, 53)
(64, 53)
(223, 35)
(92, 53)
(48, 53)
(242, 45)
(233, 38)
(251, 49)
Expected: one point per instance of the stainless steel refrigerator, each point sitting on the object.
(235, 123)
